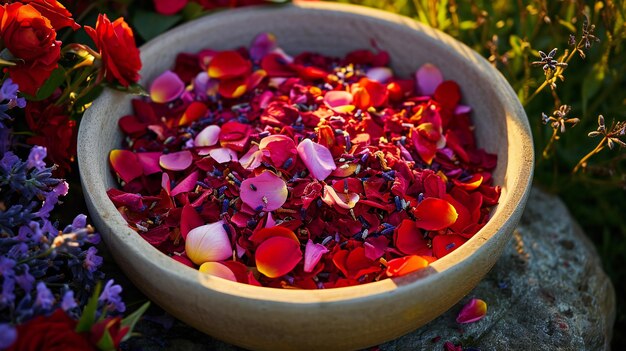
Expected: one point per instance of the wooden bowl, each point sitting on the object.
(333, 319)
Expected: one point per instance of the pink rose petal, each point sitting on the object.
(166, 87)
(317, 159)
(252, 159)
(279, 148)
(312, 255)
(380, 74)
(266, 192)
(223, 155)
(428, 78)
(217, 269)
(187, 184)
(209, 136)
(208, 243)
(125, 164)
(149, 161)
(339, 101)
(375, 247)
(262, 45)
(473, 311)
(165, 183)
(462, 109)
(346, 201)
(176, 161)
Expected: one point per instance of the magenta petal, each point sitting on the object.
(379, 74)
(473, 311)
(428, 79)
(312, 255)
(375, 247)
(345, 201)
(165, 183)
(262, 45)
(149, 161)
(317, 159)
(176, 161)
(266, 192)
(339, 101)
(209, 136)
(462, 109)
(223, 155)
(166, 87)
(186, 185)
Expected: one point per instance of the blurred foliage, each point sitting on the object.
(510, 34)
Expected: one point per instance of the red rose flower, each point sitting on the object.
(51, 333)
(54, 130)
(30, 38)
(116, 43)
(53, 10)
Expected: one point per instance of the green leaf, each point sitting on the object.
(567, 25)
(106, 342)
(151, 24)
(592, 83)
(57, 77)
(192, 11)
(88, 317)
(133, 318)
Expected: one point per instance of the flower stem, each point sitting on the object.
(583, 161)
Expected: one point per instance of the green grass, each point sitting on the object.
(592, 86)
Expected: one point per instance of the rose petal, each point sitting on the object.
(339, 101)
(176, 161)
(434, 214)
(149, 162)
(469, 184)
(252, 159)
(375, 247)
(317, 159)
(266, 191)
(209, 242)
(228, 64)
(405, 265)
(134, 202)
(448, 94)
(166, 87)
(194, 112)
(189, 219)
(125, 164)
(223, 155)
(428, 78)
(234, 87)
(379, 74)
(473, 311)
(262, 45)
(209, 136)
(187, 184)
(410, 240)
(446, 243)
(277, 256)
(165, 183)
(217, 269)
(184, 260)
(312, 255)
(280, 148)
(346, 201)
(169, 7)
(262, 234)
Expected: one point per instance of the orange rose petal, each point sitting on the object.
(277, 256)
(405, 265)
(228, 64)
(125, 164)
(265, 233)
(194, 112)
(434, 214)
(470, 184)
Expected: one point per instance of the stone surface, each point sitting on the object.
(547, 292)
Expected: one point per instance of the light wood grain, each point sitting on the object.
(333, 319)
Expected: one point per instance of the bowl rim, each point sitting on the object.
(517, 192)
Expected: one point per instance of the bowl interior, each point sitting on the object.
(501, 125)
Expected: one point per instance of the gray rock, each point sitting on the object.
(547, 292)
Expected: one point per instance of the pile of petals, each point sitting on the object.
(301, 171)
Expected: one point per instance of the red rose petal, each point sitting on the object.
(405, 265)
(448, 94)
(176, 161)
(410, 240)
(445, 243)
(234, 87)
(187, 184)
(265, 233)
(434, 214)
(125, 164)
(149, 162)
(189, 219)
(228, 64)
(277, 256)
(280, 148)
(473, 311)
(276, 66)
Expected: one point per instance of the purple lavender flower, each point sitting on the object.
(111, 297)
(8, 335)
(8, 91)
(36, 158)
(92, 261)
(44, 299)
(7, 294)
(23, 278)
(68, 302)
